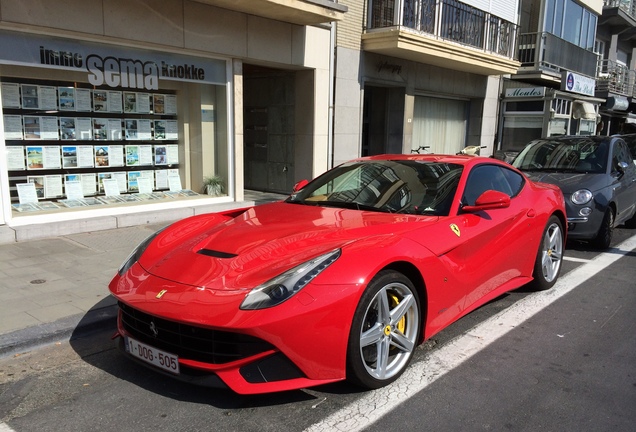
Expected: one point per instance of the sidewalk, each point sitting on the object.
(50, 287)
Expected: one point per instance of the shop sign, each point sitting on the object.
(109, 65)
(617, 103)
(529, 92)
(576, 83)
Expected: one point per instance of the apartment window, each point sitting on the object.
(570, 21)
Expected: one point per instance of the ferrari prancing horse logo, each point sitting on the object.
(455, 229)
(160, 294)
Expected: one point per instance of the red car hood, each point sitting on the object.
(219, 252)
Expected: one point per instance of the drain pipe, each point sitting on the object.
(330, 121)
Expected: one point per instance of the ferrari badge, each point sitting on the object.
(160, 294)
(455, 229)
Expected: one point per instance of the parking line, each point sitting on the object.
(375, 404)
(579, 260)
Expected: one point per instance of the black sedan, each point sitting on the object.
(597, 177)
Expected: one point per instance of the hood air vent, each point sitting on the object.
(216, 254)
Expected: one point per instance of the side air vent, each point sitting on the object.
(216, 254)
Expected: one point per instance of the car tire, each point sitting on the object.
(603, 238)
(384, 332)
(547, 265)
(631, 223)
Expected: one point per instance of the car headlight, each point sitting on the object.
(277, 290)
(136, 254)
(582, 196)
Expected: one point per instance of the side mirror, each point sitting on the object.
(491, 199)
(622, 167)
(301, 184)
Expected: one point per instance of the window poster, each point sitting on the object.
(66, 98)
(110, 186)
(10, 95)
(73, 187)
(114, 130)
(49, 128)
(100, 179)
(89, 183)
(35, 157)
(144, 182)
(69, 156)
(143, 103)
(30, 96)
(100, 100)
(133, 176)
(48, 98)
(38, 181)
(132, 155)
(172, 130)
(27, 192)
(101, 156)
(145, 154)
(12, 127)
(100, 129)
(122, 182)
(74, 156)
(83, 100)
(52, 159)
(158, 104)
(31, 127)
(85, 157)
(53, 186)
(171, 104)
(132, 129)
(161, 179)
(172, 154)
(160, 155)
(15, 158)
(67, 128)
(115, 102)
(130, 102)
(83, 129)
(116, 157)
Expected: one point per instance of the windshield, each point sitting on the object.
(405, 186)
(585, 155)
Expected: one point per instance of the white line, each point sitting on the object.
(375, 404)
(581, 260)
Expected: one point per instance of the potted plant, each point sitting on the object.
(213, 185)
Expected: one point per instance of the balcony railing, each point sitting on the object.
(449, 20)
(547, 52)
(615, 78)
(627, 6)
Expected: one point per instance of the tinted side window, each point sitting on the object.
(621, 154)
(491, 177)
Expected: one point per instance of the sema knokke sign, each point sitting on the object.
(109, 65)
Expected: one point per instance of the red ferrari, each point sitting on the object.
(343, 279)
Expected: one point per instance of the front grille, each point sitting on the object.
(188, 341)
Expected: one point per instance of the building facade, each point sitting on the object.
(413, 73)
(554, 90)
(616, 71)
(118, 112)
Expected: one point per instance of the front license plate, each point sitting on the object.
(161, 359)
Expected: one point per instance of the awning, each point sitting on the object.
(583, 110)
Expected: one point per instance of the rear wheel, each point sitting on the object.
(548, 262)
(385, 331)
(604, 236)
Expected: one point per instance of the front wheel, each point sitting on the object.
(385, 331)
(549, 257)
(603, 238)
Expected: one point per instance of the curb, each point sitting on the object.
(68, 328)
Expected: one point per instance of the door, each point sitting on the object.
(440, 123)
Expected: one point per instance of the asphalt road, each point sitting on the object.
(569, 365)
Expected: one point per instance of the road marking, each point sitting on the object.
(579, 260)
(375, 404)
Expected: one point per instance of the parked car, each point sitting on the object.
(630, 139)
(343, 279)
(598, 179)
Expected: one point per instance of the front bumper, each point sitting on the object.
(299, 343)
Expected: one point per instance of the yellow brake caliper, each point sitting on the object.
(401, 325)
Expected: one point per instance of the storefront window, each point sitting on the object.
(88, 125)
(519, 131)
